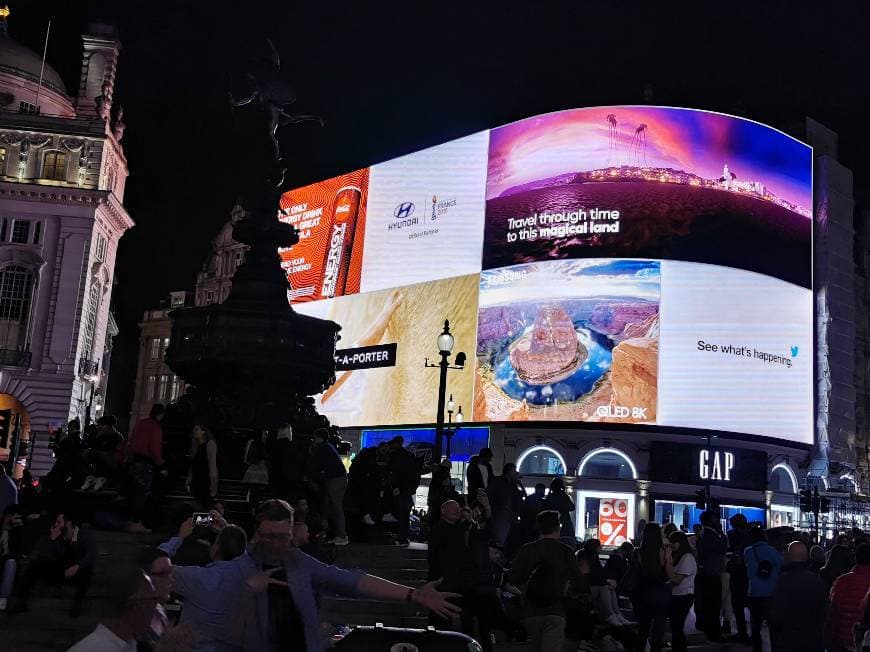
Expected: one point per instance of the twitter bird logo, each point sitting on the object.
(794, 351)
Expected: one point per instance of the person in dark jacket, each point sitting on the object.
(327, 470)
(440, 490)
(404, 478)
(67, 554)
(561, 502)
(652, 595)
(798, 605)
(839, 563)
(506, 499)
(711, 548)
(533, 505)
(459, 553)
(738, 541)
(546, 561)
(366, 480)
(479, 472)
(202, 478)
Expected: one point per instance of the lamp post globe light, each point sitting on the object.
(445, 344)
(451, 428)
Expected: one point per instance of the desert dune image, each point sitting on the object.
(412, 317)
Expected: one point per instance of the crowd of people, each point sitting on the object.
(514, 561)
(499, 559)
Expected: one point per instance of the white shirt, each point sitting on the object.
(689, 567)
(103, 639)
(484, 473)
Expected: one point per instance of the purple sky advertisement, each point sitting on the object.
(650, 182)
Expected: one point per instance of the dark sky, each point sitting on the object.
(393, 77)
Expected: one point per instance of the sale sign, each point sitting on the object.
(613, 521)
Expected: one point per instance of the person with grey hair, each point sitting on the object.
(133, 602)
(798, 605)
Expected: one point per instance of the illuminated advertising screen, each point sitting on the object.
(633, 265)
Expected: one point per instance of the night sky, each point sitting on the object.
(392, 77)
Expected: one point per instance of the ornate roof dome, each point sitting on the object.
(21, 62)
(20, 68)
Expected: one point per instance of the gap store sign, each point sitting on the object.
(699, 465)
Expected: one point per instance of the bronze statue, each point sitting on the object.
(269, 90)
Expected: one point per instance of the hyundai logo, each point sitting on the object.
(403, 210)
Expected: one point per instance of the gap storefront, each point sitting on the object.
(619, 480)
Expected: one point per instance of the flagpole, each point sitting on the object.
(42, 68)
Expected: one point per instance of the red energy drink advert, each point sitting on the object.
(330, 219)
(336, 262)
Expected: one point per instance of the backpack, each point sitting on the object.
(630, 581)
(764, 568)
(541, 588)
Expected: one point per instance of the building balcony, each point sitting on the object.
(15, 358)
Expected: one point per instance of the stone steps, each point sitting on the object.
(404, 565)
(47, 626)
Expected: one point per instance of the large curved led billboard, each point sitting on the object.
(634, 265)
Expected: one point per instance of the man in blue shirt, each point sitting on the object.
(763, 563)
(201, 588)
(265, 599)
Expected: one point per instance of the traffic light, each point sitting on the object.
(701, 499)
(807, 500)
(5, 427)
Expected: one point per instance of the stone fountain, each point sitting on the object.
(253, 360)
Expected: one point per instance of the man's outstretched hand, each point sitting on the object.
(431, 598)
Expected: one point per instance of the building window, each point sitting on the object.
(54, 166)
(165, 345)
(4, 227)
(209, 297)
(174, 387)
(91, 321)
(21, 231)
(240, 257)
(26, 107)
(101, 248)
(783, 480)
(150, 383)
(162, 387)
(541, 460)
(37, 232)
(2, 161)
(16, 288)
(155, 348)
(607, 464)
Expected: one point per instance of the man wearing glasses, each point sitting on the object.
(265, 598)
(133, 600)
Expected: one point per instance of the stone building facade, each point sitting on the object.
(62, 176)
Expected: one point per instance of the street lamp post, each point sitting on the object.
(445, 346)
(451, 429)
